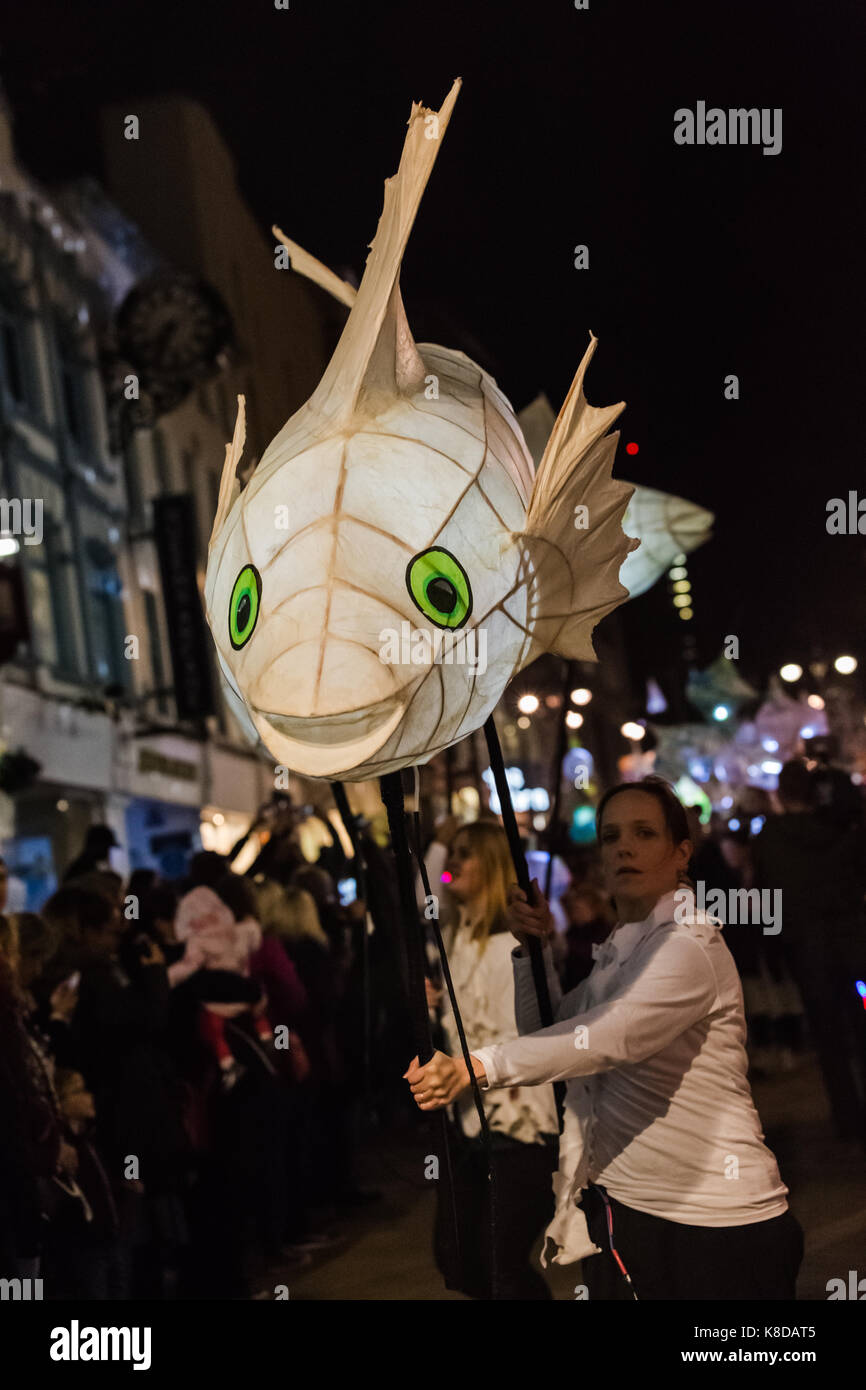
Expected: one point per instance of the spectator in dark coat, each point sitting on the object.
(119, 1042)
(84, 1257)
(820, 867)
(30, 1139)
(98, 843)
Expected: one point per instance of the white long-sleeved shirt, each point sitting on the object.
(484, 986)
(658, 1107)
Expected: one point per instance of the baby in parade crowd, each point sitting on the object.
(215, 941)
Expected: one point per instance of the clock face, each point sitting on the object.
(172, 325)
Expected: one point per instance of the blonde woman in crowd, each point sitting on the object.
(522, 1120)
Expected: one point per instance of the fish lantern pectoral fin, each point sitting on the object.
(574, 532)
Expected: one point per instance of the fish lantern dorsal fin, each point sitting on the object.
(376, 352)
(395, 366)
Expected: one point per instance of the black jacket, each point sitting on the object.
(819, 867)
(121, 1043)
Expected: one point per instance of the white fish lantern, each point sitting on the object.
(425, 561)
(665, 525)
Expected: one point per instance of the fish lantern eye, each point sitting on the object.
(439, 587)
(244, 606)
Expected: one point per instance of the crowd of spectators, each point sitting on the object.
(184, 1069)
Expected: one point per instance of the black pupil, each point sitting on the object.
(244, 609)
(442, 594)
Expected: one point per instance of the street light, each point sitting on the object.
(573, 719)
(791, 671)
(527, 704)
(581, 696)
(632, 731)
(845, 665)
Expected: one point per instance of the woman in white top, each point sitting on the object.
(662, 1144)
(522, 1120)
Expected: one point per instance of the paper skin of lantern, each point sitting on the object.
(407, 513)
(664, 524)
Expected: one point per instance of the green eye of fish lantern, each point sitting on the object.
(439, 587)
(244, 606)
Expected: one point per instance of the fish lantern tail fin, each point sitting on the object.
(376, 352)
(573, 533)
(230, 488)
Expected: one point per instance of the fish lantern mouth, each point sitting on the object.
(330, 744)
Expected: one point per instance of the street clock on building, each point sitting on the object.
(169, 334)
(173, 325)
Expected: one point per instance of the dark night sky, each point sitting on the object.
(703, 261)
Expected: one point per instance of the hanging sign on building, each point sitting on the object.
(174, 534)
(150, 760)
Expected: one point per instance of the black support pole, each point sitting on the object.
(518, 859)
(350, 825)
(392, 796)
(561, 741)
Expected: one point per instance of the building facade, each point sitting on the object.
(93, 726)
